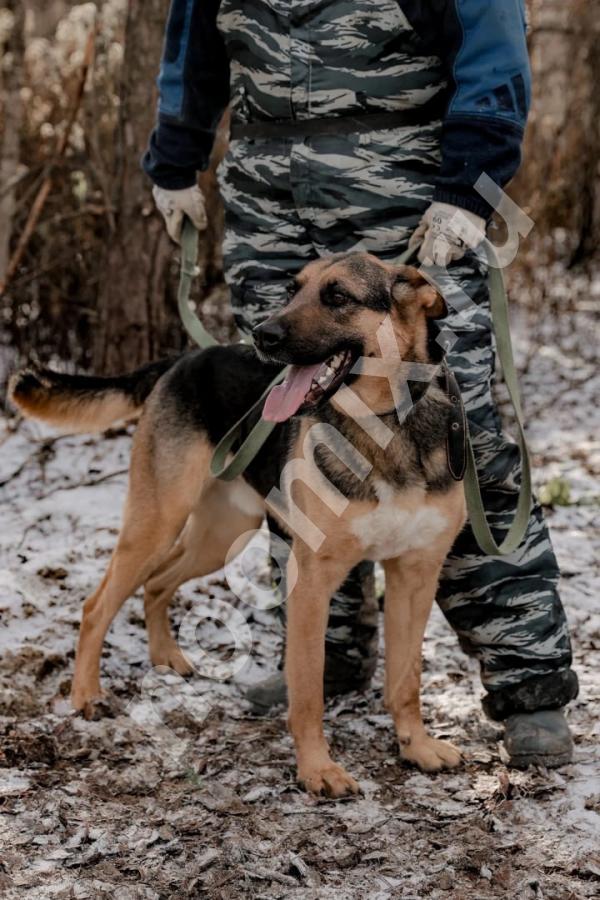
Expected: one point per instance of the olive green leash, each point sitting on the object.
(227, 464)
(250, 446)
(223, 465)
(475, 507)
(189, 270)
(476, 510)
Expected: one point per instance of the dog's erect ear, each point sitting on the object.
(409, 282)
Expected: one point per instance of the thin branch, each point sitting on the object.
(19, 470)
(90, 482)
(44, 191)
(41, 446)
(28, 277)
(16, 180)
(90, 209)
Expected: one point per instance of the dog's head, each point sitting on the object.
(335, 310)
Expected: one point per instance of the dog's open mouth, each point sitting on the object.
(306, 386)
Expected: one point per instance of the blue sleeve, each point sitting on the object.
(484, 47)
(193, 86)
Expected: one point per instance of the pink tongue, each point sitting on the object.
(286, 399)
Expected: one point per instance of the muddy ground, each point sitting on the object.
(203, 803)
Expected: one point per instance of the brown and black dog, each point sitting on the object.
(352, 480)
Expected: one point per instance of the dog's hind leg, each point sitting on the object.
(215, 524)
(158, 592)
(164, 483)
(410, 586)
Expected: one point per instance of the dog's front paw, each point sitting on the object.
(88, 700)
(328, 779)
(430, 754)
(170, 655)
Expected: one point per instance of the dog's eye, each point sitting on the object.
(335, 297)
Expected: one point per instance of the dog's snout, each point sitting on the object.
(270, 335)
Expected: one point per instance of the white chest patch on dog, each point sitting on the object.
(244, 498)
(390, 529)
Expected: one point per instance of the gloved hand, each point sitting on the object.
(174, 205)
(446, 232)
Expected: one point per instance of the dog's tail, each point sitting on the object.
(82, 402)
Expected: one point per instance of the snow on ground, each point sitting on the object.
(204, 803)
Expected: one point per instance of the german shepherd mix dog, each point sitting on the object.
(401, 505)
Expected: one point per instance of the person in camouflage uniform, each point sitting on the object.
(459, 70)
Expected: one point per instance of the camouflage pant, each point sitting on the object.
(327, 195)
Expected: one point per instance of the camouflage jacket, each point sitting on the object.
(483, 55)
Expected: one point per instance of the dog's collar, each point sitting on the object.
(419, 389)
(436, 356)
(456, 437)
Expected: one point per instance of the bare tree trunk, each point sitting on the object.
(559, 182)
(136, 268)
(11, 79)
(137, 313)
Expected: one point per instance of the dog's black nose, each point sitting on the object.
(270, 335)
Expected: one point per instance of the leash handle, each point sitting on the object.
(475, 507)
(189, 270)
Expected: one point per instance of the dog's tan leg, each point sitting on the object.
(137, 552)
(307, 614)
(206, 540)
(158, 505)
(410, 586)
(179, 567)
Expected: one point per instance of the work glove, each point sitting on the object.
(174, 205)
(445, 233)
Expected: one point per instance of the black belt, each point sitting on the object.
(342, 124)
